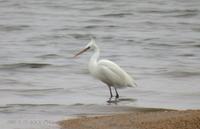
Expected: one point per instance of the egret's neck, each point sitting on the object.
(94, 59)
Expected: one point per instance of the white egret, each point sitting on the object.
(107, 71)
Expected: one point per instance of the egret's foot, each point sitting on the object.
(109, 100)
(117, 96)
(113, 101)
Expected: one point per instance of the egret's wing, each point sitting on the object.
(107, 75)
(119, 75)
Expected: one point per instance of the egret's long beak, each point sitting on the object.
(82, 51)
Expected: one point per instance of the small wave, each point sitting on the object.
(80, 36)
(32, 105)
(187, 55)
(23, 65)
(13, 108)
(188, 11)
(127, 99)
(31, 90)
(157, 11)
(77, 104)
(196, 29)
(91, 26)
(191, 94)
(183, 73)
(9, 28)
(150, 39)
(46, 37)
(162, 44)
(174, 13)
(95, 26)
(197, 45)
(116, 14)
(47, 56)
(186, 15)
(42, 90)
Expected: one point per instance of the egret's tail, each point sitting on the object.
(133, 85)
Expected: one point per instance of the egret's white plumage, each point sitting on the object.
(107, 71)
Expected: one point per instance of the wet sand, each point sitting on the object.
(138, 119)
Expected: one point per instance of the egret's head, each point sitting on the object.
(90, 46)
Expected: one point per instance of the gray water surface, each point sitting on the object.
(156, 41)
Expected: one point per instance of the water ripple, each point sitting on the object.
(10, 28)
(23, 65)
(117, 14)
(183, 73)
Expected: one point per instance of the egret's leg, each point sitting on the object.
(111, 95)
(117, 95)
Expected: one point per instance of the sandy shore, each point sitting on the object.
(138, 119)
